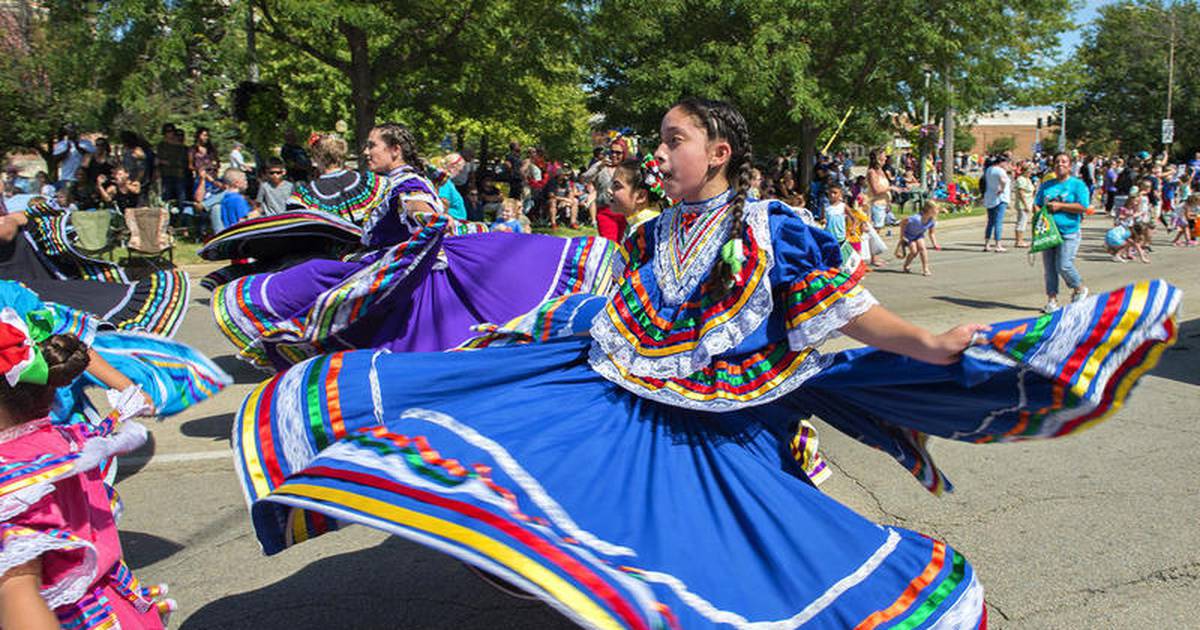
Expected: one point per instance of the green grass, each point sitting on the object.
(185, 254)
(565, 232)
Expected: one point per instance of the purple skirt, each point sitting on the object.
(424, 294)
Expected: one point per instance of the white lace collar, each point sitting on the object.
(683, 257)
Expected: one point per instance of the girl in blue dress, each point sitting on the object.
(636, 460)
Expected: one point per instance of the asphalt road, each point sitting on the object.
(1094, 530)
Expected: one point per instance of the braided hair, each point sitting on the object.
(397, 135)
(66, 357)
(639, 176)
(721, 121)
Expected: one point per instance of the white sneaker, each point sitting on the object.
(1079, 294)
(1050, 307)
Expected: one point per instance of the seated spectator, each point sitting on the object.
(560, 197)
(42, 185)
(452, 201)
(490, 197)
(234, 206)
(510, 218)
(120, 192)
(273, 194)
(63, 201)
(14, 183)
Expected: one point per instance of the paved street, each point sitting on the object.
(1095, 530)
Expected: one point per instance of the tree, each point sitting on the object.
(1002, 144)
(795, 70)
(485, 58)
(113, 65)
(40, 89)
(1122, 70)
(964, 140)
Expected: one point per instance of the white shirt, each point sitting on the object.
(69, 166)
(998, 189)
(236, 160)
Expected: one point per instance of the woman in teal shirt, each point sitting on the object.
(1067, 200)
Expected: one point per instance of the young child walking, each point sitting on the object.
(912, 237)
(59, 548)
(1184, 215)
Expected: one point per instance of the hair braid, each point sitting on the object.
(397, 135)
(721, 121)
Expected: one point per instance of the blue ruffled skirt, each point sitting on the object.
(622, 512)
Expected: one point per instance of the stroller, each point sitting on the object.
(958, 199)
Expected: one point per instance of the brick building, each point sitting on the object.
(1019, 124)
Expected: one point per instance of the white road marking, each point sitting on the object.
(174, 458)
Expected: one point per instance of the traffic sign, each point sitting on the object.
(1168, 131)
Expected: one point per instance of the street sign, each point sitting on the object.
(1168, 131)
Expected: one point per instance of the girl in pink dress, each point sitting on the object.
(60, 558)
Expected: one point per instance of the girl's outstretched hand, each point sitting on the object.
(947, 348)
(885, 330)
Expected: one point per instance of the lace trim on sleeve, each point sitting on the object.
(19, 545)
(15, 503)
(822, 303)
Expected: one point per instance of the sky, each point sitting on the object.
(1083, 17)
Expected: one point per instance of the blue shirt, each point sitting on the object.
(1070, 190)
(457, 208)
(835, 221)
(234, 208)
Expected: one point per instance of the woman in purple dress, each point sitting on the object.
(417, 287)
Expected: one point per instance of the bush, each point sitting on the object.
(1001, 145)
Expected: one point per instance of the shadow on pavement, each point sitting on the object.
(143, 454)
(143, 550)
(243, 373)
(1181, 362)
(216, 427)
(396, 584)
(983, 304)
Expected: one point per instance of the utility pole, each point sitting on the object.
(1062, 128)
(948, 133)
(1170, 74)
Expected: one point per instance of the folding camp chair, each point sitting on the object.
(96, 234)
(149, 235)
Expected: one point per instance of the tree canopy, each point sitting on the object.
(532, 71)
(1117, 79)
(796, 67)
(111, 66)
(500, 67)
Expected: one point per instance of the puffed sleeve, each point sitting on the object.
(35, 526)
(816, 294)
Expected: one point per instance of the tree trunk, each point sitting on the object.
(483, 156)
(362, 86)
(51, 161)
(808, 154)
(948, 132)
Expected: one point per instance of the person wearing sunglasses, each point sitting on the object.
(274, 192)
